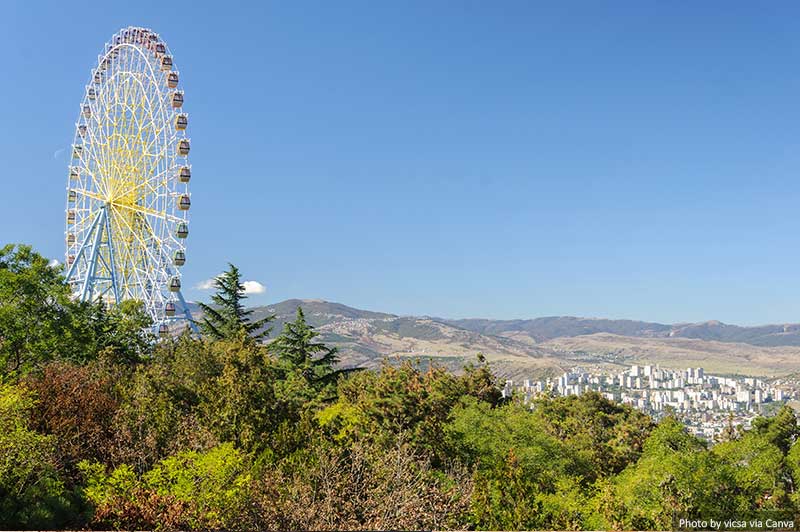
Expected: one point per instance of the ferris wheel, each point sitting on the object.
(128, 184)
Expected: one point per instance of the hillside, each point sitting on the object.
(543, 329)
(541, 346)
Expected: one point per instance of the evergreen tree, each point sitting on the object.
(781, 429)
(227, 317)
(313, 360)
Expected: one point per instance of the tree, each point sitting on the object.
(159, 404)
(34, 323)
(480, 382)
(781, 429)
(405, 403)
(729, 433)
(76, 405)
(759, 471)
(793, 465)
(607, 435)
(675, 476)
(359, 487)
(39, 321)
(314, 361)
(238, 402)
(227, 318)
(123, 333)
(524, 477)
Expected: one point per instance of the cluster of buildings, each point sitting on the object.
(707, 403)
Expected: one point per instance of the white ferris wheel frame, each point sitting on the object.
(127, 192)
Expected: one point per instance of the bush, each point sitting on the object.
(189, 490)
(77, 405)
(31, 493)
(360, 487)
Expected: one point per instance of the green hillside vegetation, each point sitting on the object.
(101, 427)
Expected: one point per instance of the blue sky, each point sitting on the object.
(484, 159)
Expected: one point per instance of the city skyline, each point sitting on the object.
(707, 404)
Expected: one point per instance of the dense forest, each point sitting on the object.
(102, 426)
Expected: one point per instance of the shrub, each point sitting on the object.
(31, 493)
(189, 490)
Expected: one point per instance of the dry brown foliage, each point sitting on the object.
(141, 444)
(145, 511)
(77, 405)
(362, 489)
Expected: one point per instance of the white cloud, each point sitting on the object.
(208, 284)
(250, 287)
(54, 263)
(254, 287)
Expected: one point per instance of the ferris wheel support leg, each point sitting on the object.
(112, 266)
(88, 283)
(83, 247)
(187, 314)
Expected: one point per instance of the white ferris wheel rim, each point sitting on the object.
(126, 175)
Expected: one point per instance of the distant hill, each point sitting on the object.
(366, 338)
(543, 329)
(543, 346)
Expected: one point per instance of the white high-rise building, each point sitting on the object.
(758, 396)
(743, 396)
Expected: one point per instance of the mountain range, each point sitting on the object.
(545, 346)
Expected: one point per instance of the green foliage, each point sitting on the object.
(675, 476)
(159, 411)
(607, 436)
(123, 333)
(758, 469)
(521, 471)
(479, 382)
(31, 493)
(781, 430)
(793, 467)
(242, 400)
(195, 490)
(312, 361)
(104, 489)
(402, 402)
(227, 318)
(34, 319)
(39, 321)
(192, 394)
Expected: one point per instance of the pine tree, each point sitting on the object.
(227, 316)
(315, 361)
